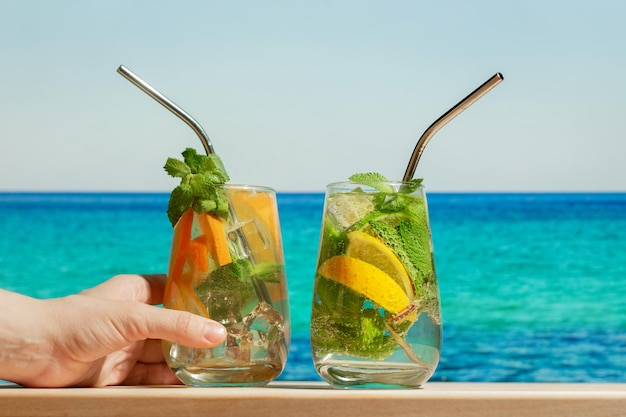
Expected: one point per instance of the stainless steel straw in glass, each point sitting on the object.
(208, 147)
(168, 104)
(443, 120)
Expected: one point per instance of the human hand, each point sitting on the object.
(106, 335)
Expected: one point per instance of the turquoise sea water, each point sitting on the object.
(532, 285)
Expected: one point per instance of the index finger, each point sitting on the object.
(145, 288)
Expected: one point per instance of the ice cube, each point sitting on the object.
(238, 343)
(268, 327)
(346, 209)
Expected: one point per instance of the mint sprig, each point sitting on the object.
(372, 179)
(379, 182)
(201, 177)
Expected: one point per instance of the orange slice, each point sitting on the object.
(257, 211)
(180, 246)
(180, 296)
(199, 253)
(213, 233)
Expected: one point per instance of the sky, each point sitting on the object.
(297, 94)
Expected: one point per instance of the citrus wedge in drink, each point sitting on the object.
(259, 223)
(212, 229)
(181, 296)
(180, 245)
(368, 248)
(367, 280)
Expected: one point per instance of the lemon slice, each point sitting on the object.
(371, 250)
(367, 280)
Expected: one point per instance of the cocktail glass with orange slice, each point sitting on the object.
(232, 271)
(376, 318)
(226, 264)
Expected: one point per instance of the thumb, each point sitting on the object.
(181, 327)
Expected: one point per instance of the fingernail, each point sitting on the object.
(215, 333)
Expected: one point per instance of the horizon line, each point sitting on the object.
(322, 191)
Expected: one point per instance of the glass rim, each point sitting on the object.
(251, 187)
(395, 183)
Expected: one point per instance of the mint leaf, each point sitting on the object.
(416, 240)
(361, 334)
(234, 277)
(201, 177)
(410, 241)
(222, 206)
(212, 166)
(202, 185)
(368, 177)
(203, 205)
(176, 168)
(269, 271)
(181, 199)
(411, 186)
(192, 159)
(231, 283)
(374, 180)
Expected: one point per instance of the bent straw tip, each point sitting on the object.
(123, 70)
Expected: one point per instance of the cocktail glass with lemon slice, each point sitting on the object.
(376, 318)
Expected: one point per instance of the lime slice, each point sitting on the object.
(367, 280)
(373, 251)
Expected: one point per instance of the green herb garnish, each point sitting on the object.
(200, 185)
(378, 182)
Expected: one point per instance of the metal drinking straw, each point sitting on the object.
(170, 105)
(259, 285)
(443, 120)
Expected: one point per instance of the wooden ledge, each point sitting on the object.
(318, 399)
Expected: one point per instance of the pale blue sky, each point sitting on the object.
(299, 94)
